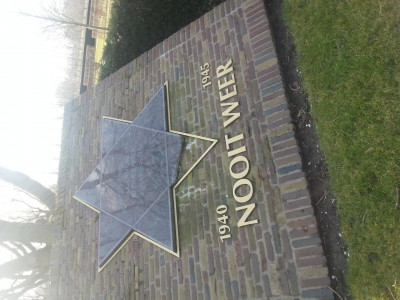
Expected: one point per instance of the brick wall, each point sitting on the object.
(91, 68)
(279, 258)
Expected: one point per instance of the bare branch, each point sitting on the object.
(22, 181)
(63, 21)
(12, 250)
(19, 246)
(24, 286)
(36, 261)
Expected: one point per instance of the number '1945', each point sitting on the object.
(205, 77)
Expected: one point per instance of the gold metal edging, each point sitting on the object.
(155, 243)
(92, 207)
(168, 107)
(116, 252)
(119, 120)
(200, 158)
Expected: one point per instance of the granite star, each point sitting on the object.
(133, 186)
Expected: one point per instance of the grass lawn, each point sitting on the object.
(349, 59)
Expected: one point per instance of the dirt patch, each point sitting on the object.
(314, 164)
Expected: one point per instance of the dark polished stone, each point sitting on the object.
(111, 132)
(112, 234)
(154, 221)
(134, 174)
(174, 146)
(131, 186)
(154, 114)
(89, 192)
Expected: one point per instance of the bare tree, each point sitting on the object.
(28, 272)
(55, 15)
(29, 242)
(59, 19)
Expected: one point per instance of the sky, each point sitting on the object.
(33, 63)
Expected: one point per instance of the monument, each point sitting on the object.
(226, 220)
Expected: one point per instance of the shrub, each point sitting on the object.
(138, 25)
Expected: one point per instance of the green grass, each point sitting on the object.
(137, 26)
(349, 57)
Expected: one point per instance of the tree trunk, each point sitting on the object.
(25, 232)
(39, 259)
(24, 182)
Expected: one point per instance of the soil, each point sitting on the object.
(314, 164)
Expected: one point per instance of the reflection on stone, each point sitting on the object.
(131, 186)
(89, 192)
(112, 234)
(174, 145)
(154, 220)
(134, 174)
(111, 131)
(154, 115)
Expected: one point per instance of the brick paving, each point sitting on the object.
(280, 257)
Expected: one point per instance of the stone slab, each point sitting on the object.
(280, 257)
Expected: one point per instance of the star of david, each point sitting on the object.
(133, 186)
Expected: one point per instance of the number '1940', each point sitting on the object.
(224, 229)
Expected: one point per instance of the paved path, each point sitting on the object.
(280, 257)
